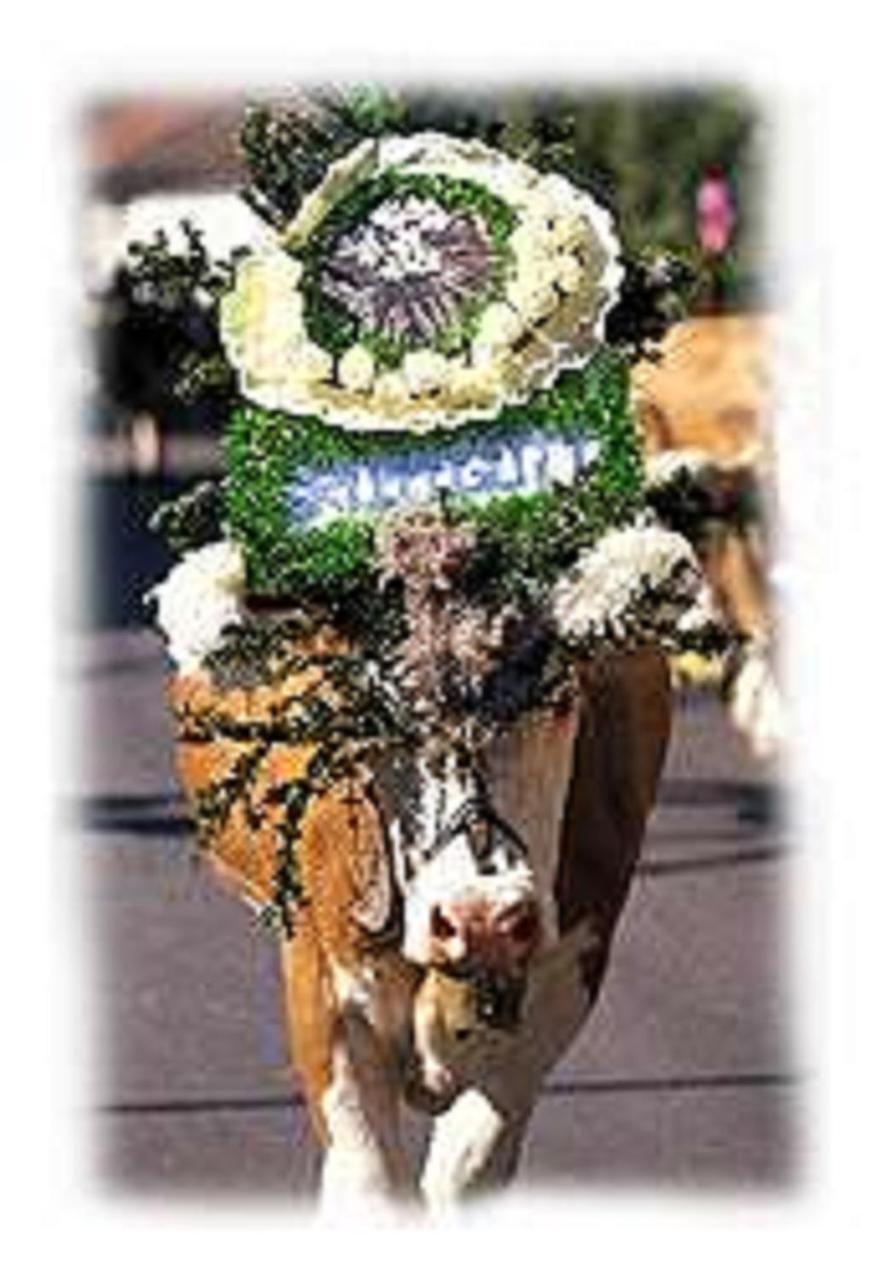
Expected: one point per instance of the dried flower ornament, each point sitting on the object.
(426, 282)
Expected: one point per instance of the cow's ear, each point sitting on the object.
(375, 907)
(345, 870)
(619, 752)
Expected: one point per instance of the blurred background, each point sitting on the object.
(685, 1076)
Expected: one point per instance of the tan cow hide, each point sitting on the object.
(708, 401)
(343, 979)
(711, 389)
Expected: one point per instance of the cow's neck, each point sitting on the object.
(523, 778)
(529, 770)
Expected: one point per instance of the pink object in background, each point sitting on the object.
(715, 212)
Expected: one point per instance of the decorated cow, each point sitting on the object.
(421, 691)
(703, 407)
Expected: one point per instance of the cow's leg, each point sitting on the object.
(618, 758)
(364, 1157)
(476, 1144)
(348, 1078)
(475, 1147)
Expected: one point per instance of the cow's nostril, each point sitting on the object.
(442, 926)
(523, 928)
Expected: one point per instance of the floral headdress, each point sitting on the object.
(429, 453)
(426, 282)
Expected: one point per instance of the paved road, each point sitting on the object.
(683, 1078)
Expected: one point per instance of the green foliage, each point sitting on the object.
(166, 280)
(344, 716)
(192, 519)
(288, 149)
(523, 540)
(654, 294)
(161, 341)
(373, 110)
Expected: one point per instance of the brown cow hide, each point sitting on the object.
(338, 959)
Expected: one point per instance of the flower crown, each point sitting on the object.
(428, 342)
(426, 282)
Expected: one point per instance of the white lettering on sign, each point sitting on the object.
(528, 463)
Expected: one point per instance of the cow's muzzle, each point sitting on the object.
(477, 934)
(498, 999)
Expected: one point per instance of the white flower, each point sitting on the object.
(701, 613)
(202, 594)
(391, 393)
(309, 363)
(570, 274)
(567, 232)
(424, 371)
(479, 385)
(341, 177)
(633, 581)
(537, 267)
(261, 323)
(500, 326)
(533, 296)
(529, 239)
(555, 189)
(357, 368)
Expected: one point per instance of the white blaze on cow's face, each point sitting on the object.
(476, 851)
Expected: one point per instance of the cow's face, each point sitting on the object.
(475, 853)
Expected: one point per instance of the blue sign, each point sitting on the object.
(527, 462)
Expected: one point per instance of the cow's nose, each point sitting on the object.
(478, 933)
(519, 926)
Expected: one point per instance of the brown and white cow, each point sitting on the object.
(706, 406)
(456, 922)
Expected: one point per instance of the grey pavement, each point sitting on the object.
(683, 1078)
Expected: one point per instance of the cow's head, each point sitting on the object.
(474, 849)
